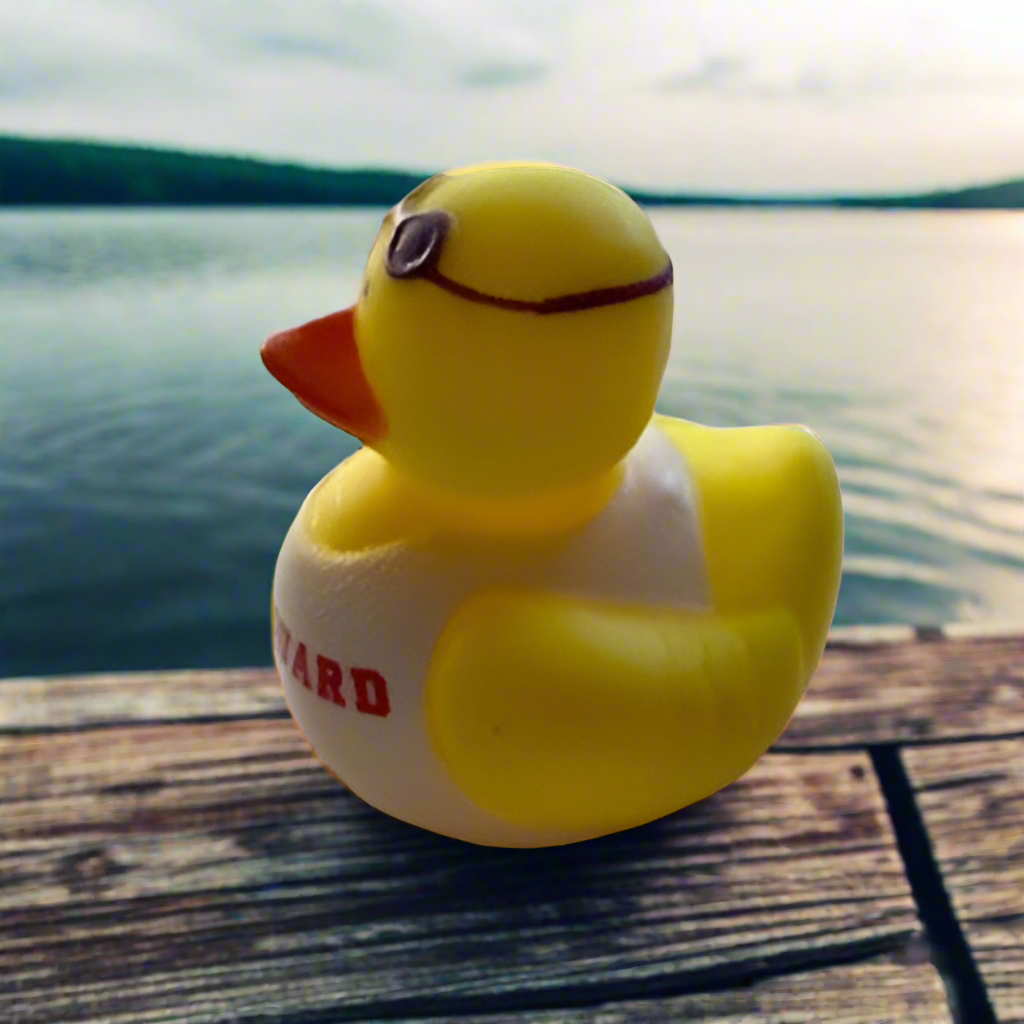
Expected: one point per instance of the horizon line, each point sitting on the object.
(640, 193)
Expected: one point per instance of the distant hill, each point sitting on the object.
(44, 172)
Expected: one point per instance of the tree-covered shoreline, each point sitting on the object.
(58, 172)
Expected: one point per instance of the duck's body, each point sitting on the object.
(530, 614)
(548, 686)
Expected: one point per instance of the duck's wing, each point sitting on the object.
(772, 521)
(551, 711)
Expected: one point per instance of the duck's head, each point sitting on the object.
(510, 335)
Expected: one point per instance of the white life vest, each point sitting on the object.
(355, 631)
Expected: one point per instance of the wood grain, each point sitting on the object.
(874, 686)
(971, 797)
(61, 703)
(913, 692)
(201, 872)
(885, 990)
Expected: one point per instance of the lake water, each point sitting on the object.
(149, 466)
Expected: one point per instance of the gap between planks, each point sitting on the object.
(951, 953)
(971, 802)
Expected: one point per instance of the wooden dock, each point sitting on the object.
(170, 851)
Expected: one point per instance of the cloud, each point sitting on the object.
(64, 43)
(497, 75)
(348, 32)
(802, 49)
(23, 82)
(713, 72)
(431, 43)
(95, 50)
(301, 47)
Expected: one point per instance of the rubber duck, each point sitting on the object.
(530, 610)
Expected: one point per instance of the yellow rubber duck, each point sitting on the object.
(530, 611)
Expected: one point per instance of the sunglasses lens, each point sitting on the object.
(416, 244)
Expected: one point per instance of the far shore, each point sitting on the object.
(65, 173)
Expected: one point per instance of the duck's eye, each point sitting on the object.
(416, 244)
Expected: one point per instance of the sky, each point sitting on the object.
(792, 96)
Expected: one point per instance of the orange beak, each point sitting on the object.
(319, 364)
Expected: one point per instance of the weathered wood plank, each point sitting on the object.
(873, 686)
(921, 691)
(884, 990)
(60, 703)
(154, 870)
(971, 797)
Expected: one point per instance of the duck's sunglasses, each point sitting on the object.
(415, 248)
